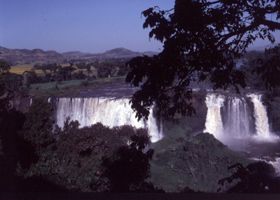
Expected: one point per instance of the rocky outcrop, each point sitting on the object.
(197, 162)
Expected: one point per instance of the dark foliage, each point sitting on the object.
(10, 87)
(38, 157)
(39, 124)
(30, 77)
(11, 143)
(268, 67)
(201, 39)
(4, 66)
(37, 184)
(129, 166)
(14, 149)
(257, 177)
(78, 69)
(74, 159)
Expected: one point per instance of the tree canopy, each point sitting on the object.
(201, 41)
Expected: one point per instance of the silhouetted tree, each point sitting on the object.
(201, 40)
(15, 150)
(268, 67)
(38, 125)
(129, 166)
(4, 66)
(258, 177)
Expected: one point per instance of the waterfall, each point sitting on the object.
(231, 120)
(237, 122)
(261, 119)
(214, 124)
(110, 112)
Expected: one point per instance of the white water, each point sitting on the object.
(237, 124)
(110, 112)
(276, 164)
(214, 123)
(261, 119)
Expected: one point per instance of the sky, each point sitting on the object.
(79, 25)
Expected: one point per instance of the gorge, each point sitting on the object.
(240, 122)
(237, 121)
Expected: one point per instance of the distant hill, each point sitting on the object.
(113, 53)
(25, 56)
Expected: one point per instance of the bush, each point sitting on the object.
(74, 160)
(258, 177)
(129, 167)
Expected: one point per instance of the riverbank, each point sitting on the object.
(69, 88)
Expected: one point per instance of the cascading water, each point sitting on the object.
(237, 123)
(233, 120)
(214, 123)
(230, 119)
(108, 111)
(261, 119)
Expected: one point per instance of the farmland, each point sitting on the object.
(20, 69)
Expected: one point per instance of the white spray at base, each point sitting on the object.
(110, 112)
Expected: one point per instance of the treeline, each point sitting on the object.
(36, 157)
(261, 69)
(41, 73)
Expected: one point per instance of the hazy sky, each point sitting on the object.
(83, 25)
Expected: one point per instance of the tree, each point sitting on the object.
(65, 73)
(4, 66)
(14, 150)
(129, 166)
(269, 67)
(38, 125)
(29, 77)
(201, 41)
(10, 87)
(104, 70)
(258, 177)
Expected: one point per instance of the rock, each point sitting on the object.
(197, 163)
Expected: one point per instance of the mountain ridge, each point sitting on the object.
(27, 56)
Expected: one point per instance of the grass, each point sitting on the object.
(20, 69)
(67, 88)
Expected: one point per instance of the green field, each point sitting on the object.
(67, 88)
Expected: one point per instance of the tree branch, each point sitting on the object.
(271, 24)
